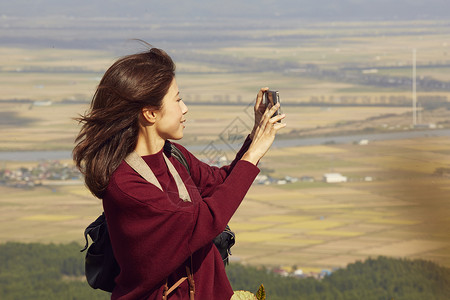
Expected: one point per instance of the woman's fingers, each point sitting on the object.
(270, 111)
(270, 125)
(266, 127)
(274, 108)
(275, 125)
(259, 97)
(275, 120)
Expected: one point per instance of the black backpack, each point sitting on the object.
(101, 267)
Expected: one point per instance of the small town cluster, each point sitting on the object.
(56, 172)
(45, 172)
(299, 273)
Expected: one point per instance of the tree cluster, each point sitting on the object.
(55, 272)
(382, 278)
(50, 272)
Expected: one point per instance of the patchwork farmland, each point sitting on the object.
(395, 201)
(402, 212)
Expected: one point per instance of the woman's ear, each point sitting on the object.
(149, 114)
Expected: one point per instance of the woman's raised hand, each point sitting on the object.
(264, 132)
(259, 109)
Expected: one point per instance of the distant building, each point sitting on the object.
(263, 179)
(298, 273)
(334, 178)
(363, 142)
(42, 103)
(324, 272)
(370, 71)
(290, 179)
(425, 126)
(307, 179)
(281, 272)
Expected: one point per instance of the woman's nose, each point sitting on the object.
(184, 108)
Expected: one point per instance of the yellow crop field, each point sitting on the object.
(287, 196)
(314, 150)
(403, 163)
(285, 218)
(328, 206)
(249, 226)
(48, 218)
(335, 233)
(257, 237)
(19, 58)
(408, 248)
(369, 213)
(335, 191)
(293, 242)
(357, 217)
(312, 225)
(394, 221)
(442, 146)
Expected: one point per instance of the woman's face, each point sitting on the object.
(169, 122)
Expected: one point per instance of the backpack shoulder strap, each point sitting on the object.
(138, 164)
(177, 154)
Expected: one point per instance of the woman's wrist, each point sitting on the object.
(251, 157)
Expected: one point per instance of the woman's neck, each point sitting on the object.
(148, 143)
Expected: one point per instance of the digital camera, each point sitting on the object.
(273, 97)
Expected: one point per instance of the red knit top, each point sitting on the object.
(154, 233)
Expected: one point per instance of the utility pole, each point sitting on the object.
(414, 95)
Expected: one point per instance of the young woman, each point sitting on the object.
(157, 237)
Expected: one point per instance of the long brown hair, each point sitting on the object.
(110, 128)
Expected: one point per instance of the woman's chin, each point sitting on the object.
(177, 137)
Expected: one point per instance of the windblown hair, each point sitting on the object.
(110, 128)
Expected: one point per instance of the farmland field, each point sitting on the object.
(402, 212)
(394, 202)
(28, 127)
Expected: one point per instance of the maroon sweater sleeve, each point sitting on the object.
(215, 211)
(218, 188)
(205, 177)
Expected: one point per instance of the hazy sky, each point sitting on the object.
(270, 9)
